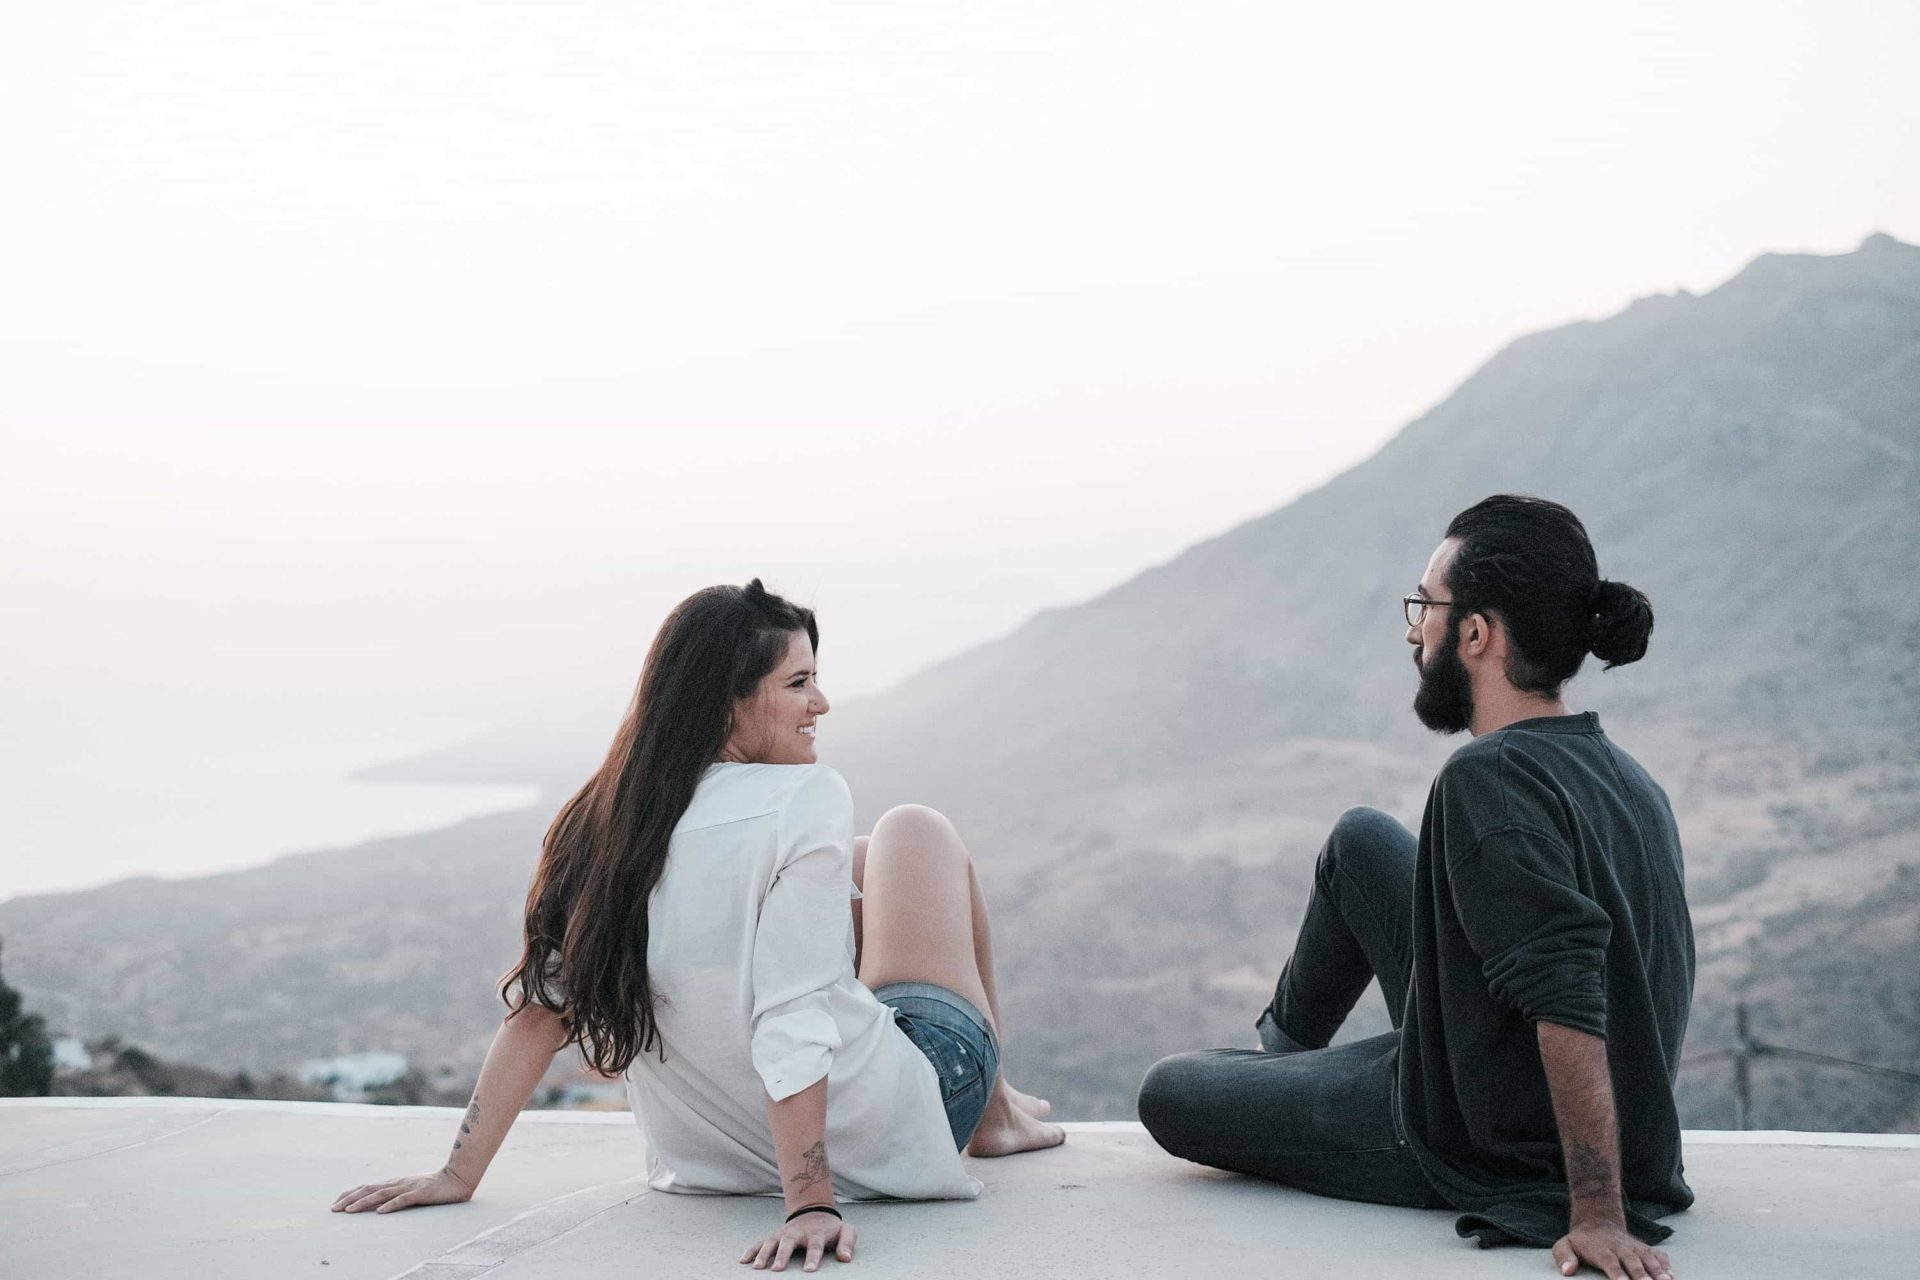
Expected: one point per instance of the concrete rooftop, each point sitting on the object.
(209, 1188)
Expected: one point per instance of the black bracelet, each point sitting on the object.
(815, 1208)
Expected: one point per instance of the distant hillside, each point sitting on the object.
(391, 944)
(1146, 776)
(1746, 457)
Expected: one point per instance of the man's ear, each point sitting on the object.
(1476, 634)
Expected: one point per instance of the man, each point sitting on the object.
(1533, 943)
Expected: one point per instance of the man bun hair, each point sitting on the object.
(1529, 563)
(1622, 622)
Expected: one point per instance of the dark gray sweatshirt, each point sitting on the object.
(1549, 888)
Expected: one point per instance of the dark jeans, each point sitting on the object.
(1296, 1111)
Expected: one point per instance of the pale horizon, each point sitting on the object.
(373, 375)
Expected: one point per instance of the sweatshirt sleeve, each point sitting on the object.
(1541, 941)
(803, 942)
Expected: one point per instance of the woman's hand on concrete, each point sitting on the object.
(810, 1234)
(444, 1187)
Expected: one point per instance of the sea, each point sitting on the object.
(81, 806)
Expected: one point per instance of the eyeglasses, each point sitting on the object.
(1415, 607)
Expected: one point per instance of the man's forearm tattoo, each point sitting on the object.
(1589, 1172)
(466, 1125)
(813, 1164)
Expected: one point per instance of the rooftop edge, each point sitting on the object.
(1711, 1137)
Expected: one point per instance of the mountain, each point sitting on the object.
(1145, 777)
(1746, 457)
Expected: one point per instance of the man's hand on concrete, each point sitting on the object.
(1610, 1248)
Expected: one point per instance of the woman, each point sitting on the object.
(795, 1010)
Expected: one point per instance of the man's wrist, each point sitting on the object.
(1599, 1213)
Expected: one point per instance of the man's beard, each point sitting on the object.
(1444, 700)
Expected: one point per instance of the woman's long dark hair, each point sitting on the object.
(586, 921)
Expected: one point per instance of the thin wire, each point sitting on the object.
(1801, 1055)
(1821, 1059)
(1712, 1055)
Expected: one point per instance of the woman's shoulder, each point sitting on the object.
(814, 796)
(745, 790)
(819, 781)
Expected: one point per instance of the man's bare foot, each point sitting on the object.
(1038, 1108)
(1006, 1129)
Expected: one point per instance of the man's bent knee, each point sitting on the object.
(1169, 1097)
(1358, 832)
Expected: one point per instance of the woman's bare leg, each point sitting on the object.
(1039, 1108)
(923, 919)
(860, 883)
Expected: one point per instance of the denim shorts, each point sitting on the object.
(957, 1041)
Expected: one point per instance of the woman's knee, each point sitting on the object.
(916, 831)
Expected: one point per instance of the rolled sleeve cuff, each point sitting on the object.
(1567, 994)
(794, 1051)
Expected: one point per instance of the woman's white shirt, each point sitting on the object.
(750, 955)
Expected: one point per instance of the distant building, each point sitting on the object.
(352, 1075)
(588, 1095)
(581, 1088)
(70, 1054)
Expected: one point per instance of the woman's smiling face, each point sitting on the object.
(775, 723)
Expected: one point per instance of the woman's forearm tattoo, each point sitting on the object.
(466, 1124)
(813, 1164)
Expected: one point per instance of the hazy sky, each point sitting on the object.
(370, 372)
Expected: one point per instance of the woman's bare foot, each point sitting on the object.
(1038, 1108)
(1006, 1129)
